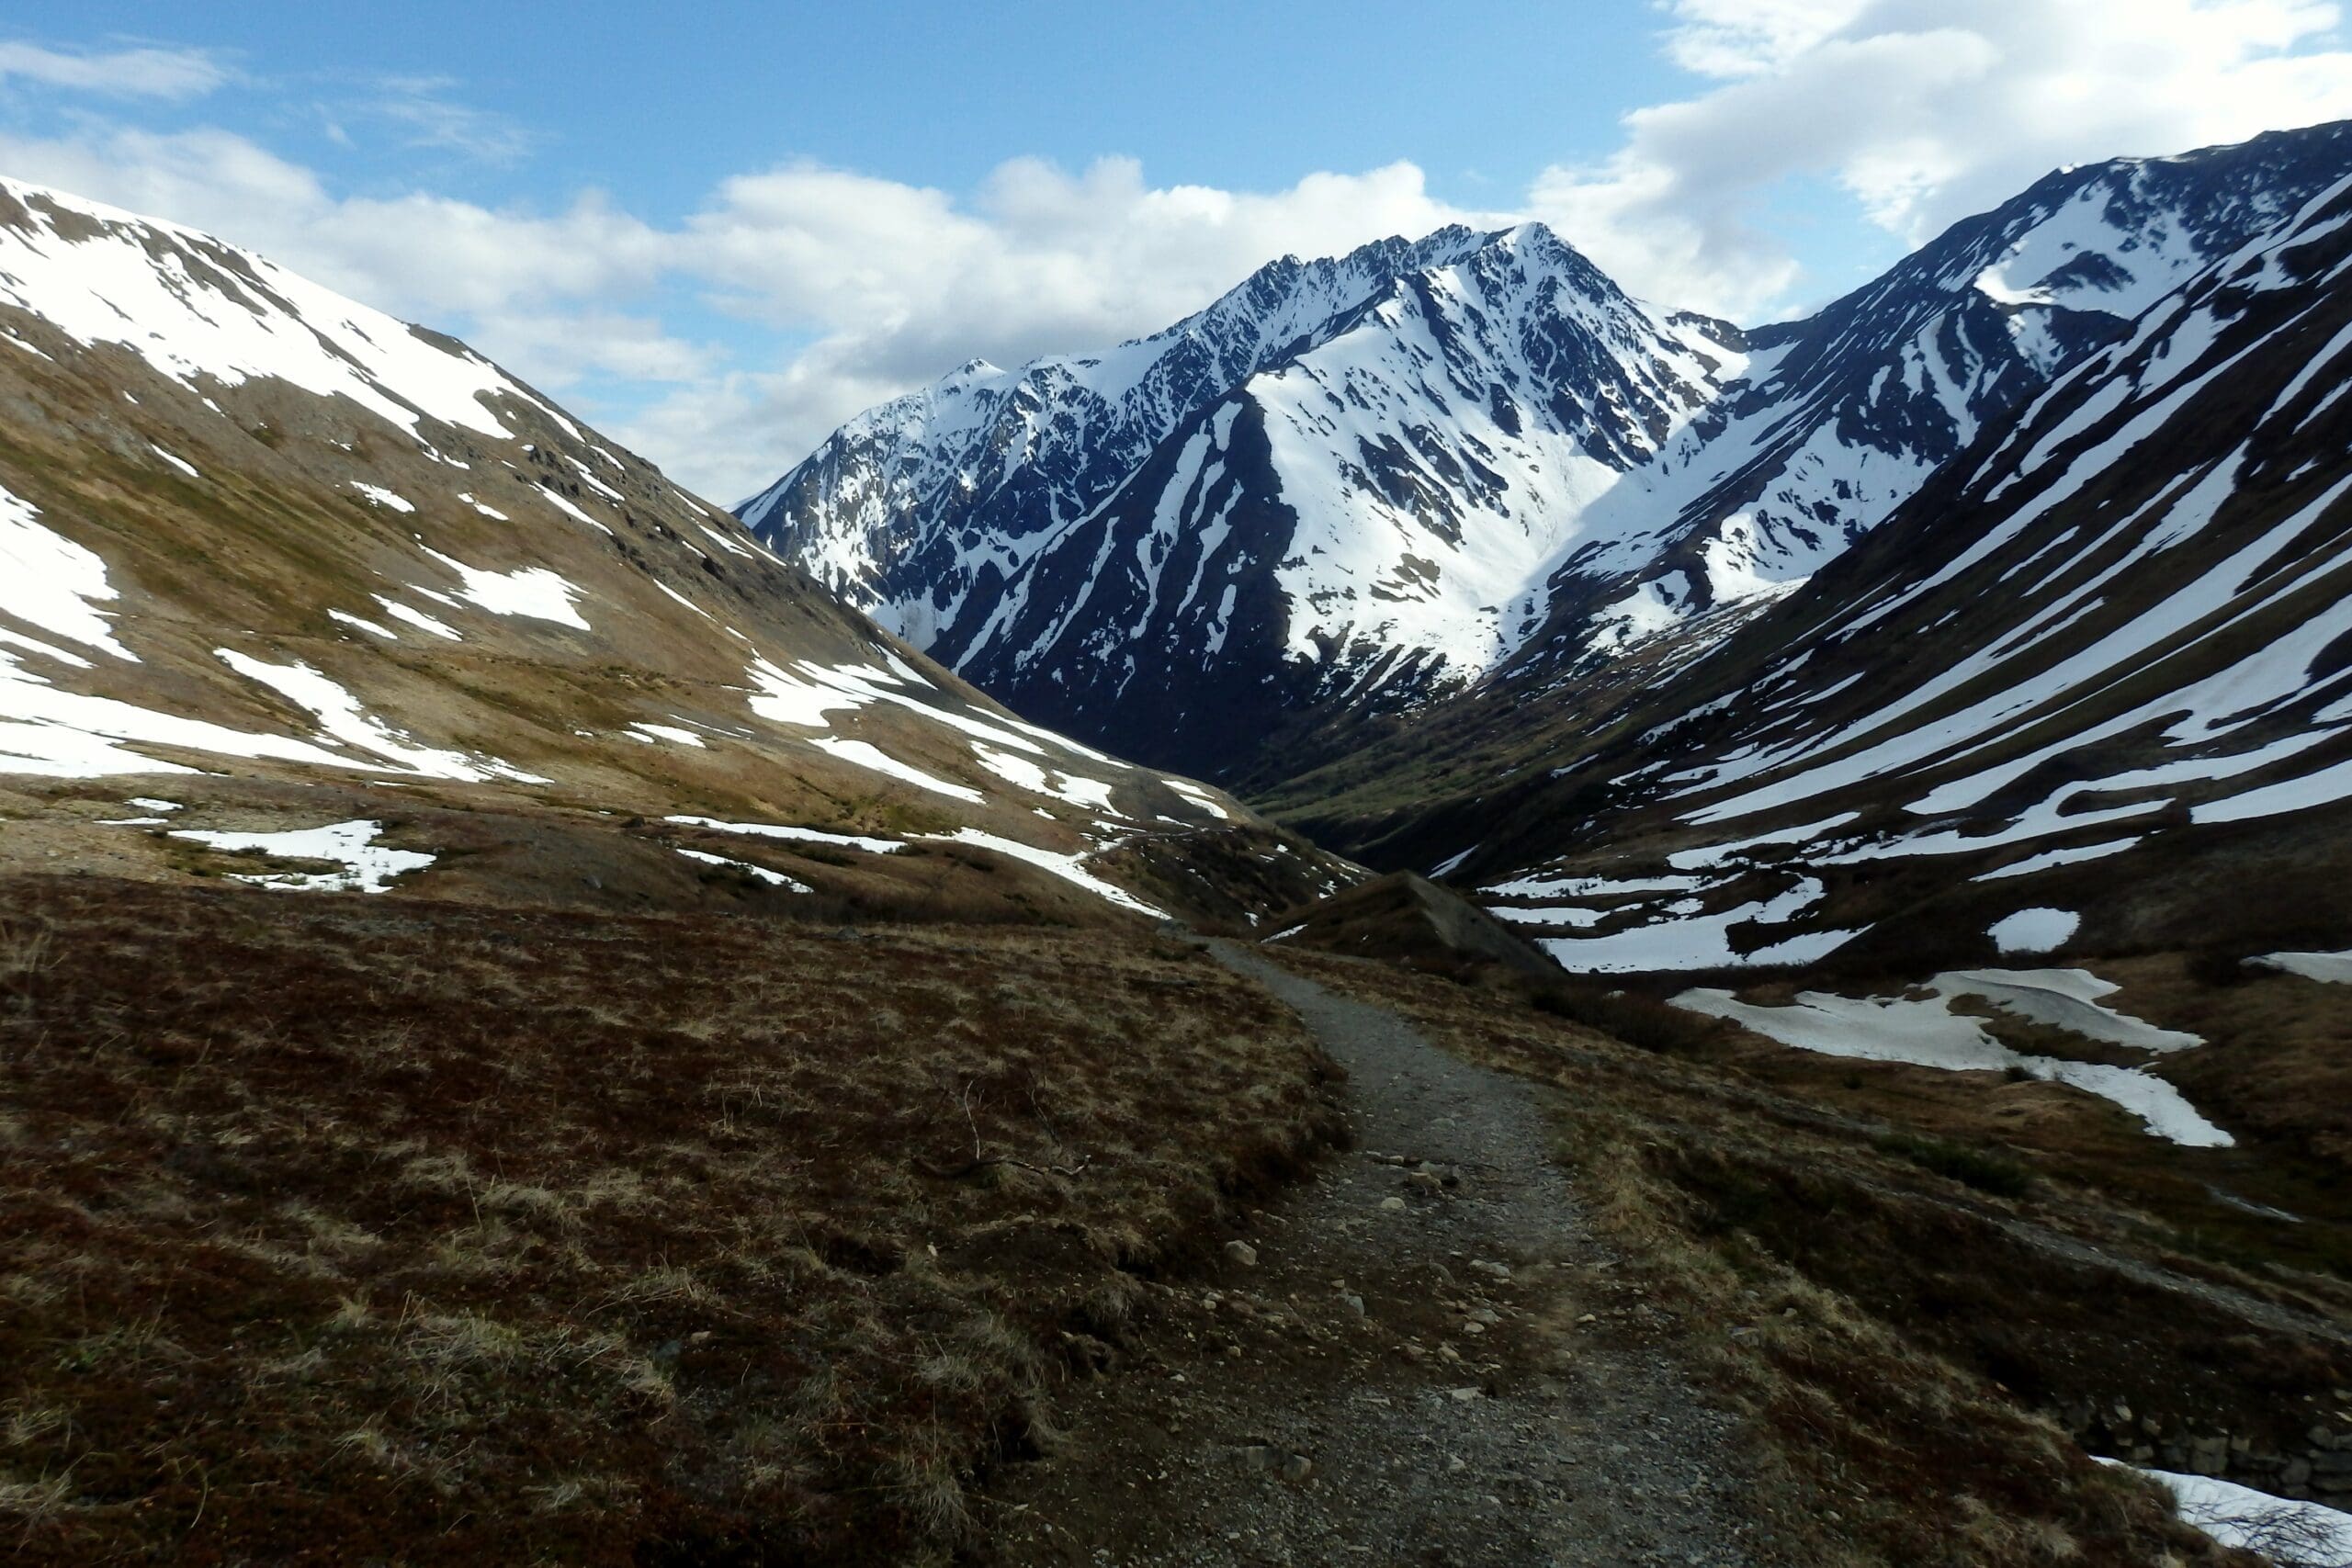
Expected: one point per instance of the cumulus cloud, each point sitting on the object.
(729, 343)
(893, 283)
(1922, 111)
(880, 284)
(135, 73)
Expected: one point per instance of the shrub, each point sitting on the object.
(1980, 1169)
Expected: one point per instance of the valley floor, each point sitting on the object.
(335, 1225)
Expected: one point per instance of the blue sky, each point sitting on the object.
(721, 228)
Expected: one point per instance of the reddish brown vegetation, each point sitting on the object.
(335, 1227)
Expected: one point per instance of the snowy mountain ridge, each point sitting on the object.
(1342, 479)
(2097, 669)
(1373, 480)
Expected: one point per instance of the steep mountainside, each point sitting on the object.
(1247, 544)
(1842, 416)
(273, 554)
(2100, 667)
(1330, 489)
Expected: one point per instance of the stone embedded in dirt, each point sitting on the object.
(1354, 1303)
(1392, 1204)
(1492, 1270)
(1293, 1468)
(1242, 1252)
(1463, 1395)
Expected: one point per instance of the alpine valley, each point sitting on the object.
(1759, 979)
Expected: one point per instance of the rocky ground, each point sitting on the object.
(1423, 1355)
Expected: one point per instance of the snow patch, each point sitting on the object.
(2035, 930)
(772, 878)
(367, 867)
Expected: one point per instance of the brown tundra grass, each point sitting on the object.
(335, 1227)
(1892, 1354)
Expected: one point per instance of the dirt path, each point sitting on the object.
(1430, 1361)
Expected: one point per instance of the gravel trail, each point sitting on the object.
(1429, 1359)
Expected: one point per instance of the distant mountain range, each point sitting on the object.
(2017, 571)
(1352, 486)
(2097, 667)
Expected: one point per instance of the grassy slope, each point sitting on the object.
(494, 1236)
(1902, 1311)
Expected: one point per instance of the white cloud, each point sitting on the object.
(1915, 111)
(884, 284)
(135, 73)
(1922, 111)
(897, 284)
(427, 116)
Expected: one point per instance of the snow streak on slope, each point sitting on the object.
(2119, 620)
(257, 531)
(1844, 415)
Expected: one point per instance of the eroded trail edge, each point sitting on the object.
(1431, 1359)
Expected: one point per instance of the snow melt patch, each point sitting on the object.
(416, 619)
(50, 581)
(863, 754)
(1069, 867)
(772, 878)
(339, 715)
(1092, 795)
(2035, 930)
(375, 495)
(2063, 999)
(2241, 1517)
(2330, 966)
(654, 733)
(529, 590)
(1198, 796)
(367, 867)
(779, 831)
(1684, 936)
(1925, 1032)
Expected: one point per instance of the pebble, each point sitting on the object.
(1392, 1204)
(1242, 1252)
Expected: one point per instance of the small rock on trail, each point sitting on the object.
(1424, 1356)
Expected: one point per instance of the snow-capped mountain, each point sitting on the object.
(1842, 416)
(1333, 486)
(1352, 485)
(265, 546)
(2092, 684)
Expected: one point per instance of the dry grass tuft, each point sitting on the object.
(338, 1226)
